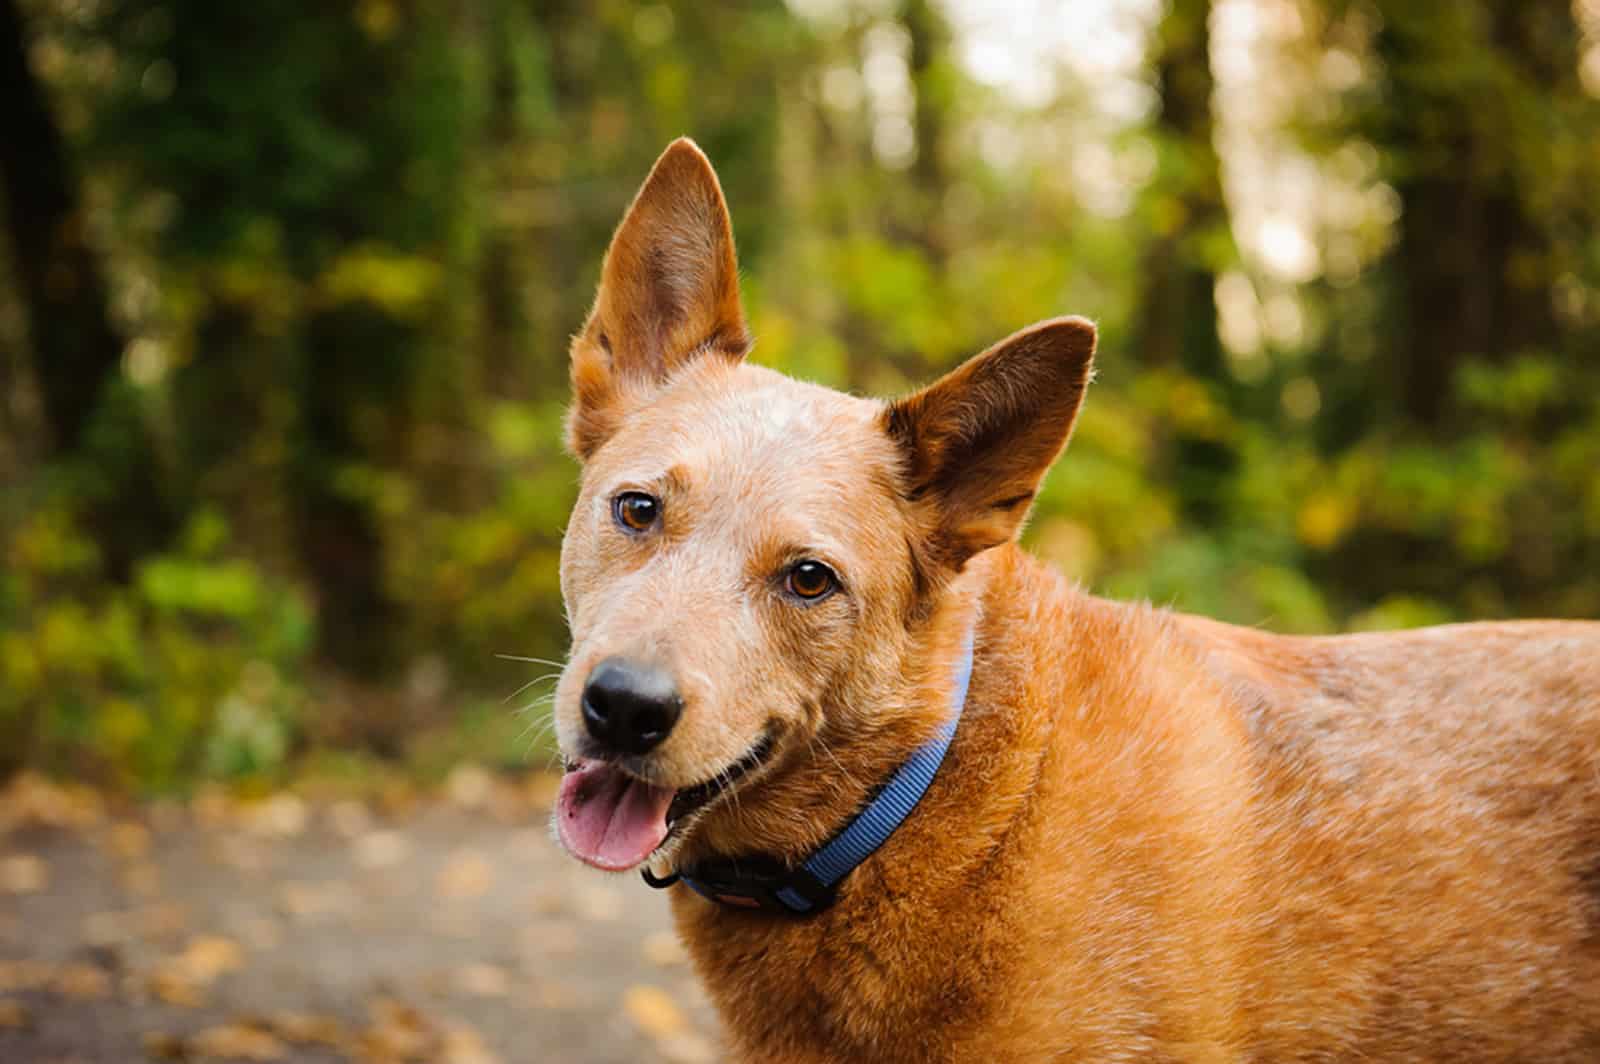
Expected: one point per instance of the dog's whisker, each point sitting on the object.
(530, 683)
(532, 661)
(542, 700)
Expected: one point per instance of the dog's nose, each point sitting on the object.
(630, 707)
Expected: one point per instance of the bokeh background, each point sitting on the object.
(285, 292)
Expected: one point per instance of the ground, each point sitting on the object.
(403, 926)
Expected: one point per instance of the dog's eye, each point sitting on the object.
(635, 511)
(811, 580)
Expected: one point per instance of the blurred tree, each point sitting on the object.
(934, 85)
(1482, 157)
(347, 245)
(315, 226)
(77, 351)
(1175, 327)
(1177, 323)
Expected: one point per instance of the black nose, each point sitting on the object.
(628, 706)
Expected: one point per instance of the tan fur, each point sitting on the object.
(1156, 837)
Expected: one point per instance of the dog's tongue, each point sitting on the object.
(609, 819)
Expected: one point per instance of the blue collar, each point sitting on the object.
(764, 883)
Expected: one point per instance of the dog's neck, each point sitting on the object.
(929, 867)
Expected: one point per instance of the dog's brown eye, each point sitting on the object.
(636, 511)
(811, 580)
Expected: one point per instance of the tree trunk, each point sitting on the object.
(77, 352)
(1474, 263)
(506, 362)
(931, 83)
(1178, 316)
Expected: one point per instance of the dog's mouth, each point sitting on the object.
(613, 819)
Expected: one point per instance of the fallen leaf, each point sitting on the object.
(159, 1045)
(483, 980)
(308, 1028)
(466, 875)
(545, 939)
(141, 877)
(381, 849)
(600, 904)
(238, 1041)
(349, 817)
(261, 933)
(653, 1011)
(82, 981)
(183, 979)
(306, 900)
(14, 1016)
(548, 902)
(283, 816)
(663, 949)
(397, 1030)
(551, 994)
(463, 1045)
(33, 801)
(108, 928)
(687, 1048)
(172, 986)
(128, 840)
(23, 874)
(163, 920)
(240, 852)
(25, 975)
(211, 807)
(469, 786)
(208, 956)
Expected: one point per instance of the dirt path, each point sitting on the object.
(447, 929)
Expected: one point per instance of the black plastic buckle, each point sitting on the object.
(758, 884)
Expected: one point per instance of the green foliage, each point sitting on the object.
(349, 244)
(197, 666)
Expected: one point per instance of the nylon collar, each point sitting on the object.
(764, 883)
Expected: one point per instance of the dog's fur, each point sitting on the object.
(1156, 837)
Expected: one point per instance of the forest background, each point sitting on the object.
(285, 294)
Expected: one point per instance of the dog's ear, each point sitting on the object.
(977, 442)
(669, 293)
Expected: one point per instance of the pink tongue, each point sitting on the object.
(609, 819)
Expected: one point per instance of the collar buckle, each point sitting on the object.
(759, 884)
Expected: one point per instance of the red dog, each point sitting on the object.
(1152, 837)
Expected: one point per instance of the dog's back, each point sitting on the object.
(1379, 846)
(1433, 797)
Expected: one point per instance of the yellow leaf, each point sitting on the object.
(687, 1048)
(483, 980)
(653, 1011)
(14, 1016)
(128, 840)
(238, 1041)
(466, 875)
(208, 956)
(82, 981)
(23, 874)
(664, 950)
(462, 1045)
(308, 1028)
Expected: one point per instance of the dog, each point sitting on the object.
(917, 797)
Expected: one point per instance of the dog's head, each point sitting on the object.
(749, 556)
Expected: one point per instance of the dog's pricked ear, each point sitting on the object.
(977, 442)
(669, 293)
